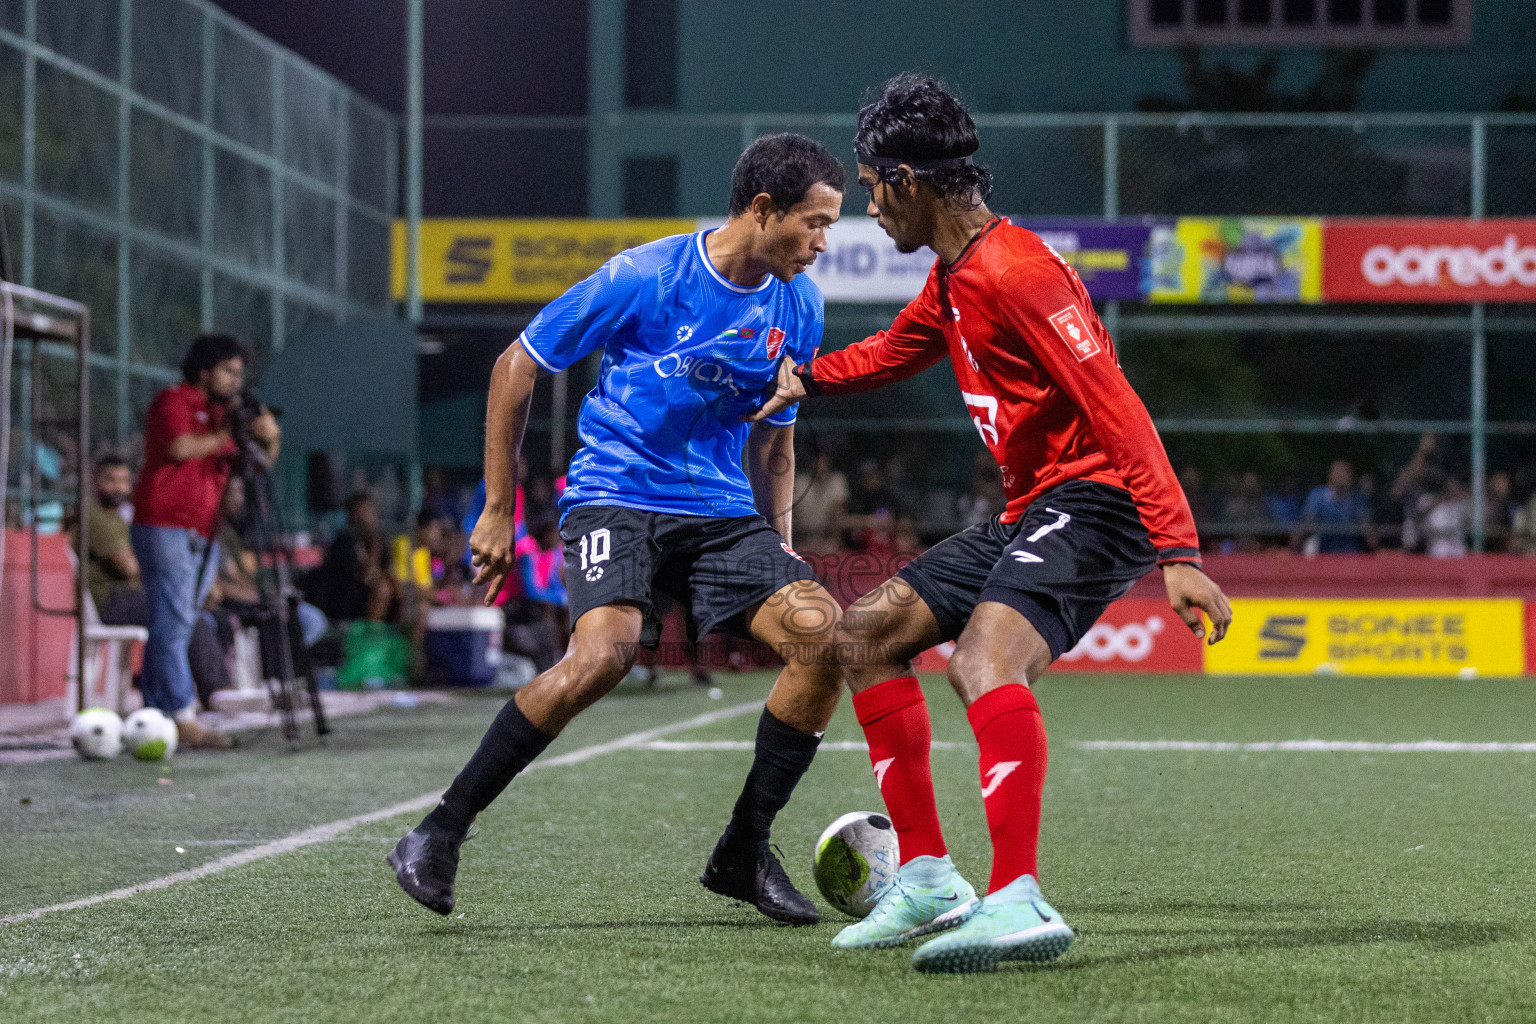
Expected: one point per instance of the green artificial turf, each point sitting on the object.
(1209, 886)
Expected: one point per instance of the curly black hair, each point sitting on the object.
(208, 351)
(785, 166)
(917, 121)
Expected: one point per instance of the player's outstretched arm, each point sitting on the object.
(787, 390)
(491, 544)
(1191, 592)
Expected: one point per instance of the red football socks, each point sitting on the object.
(1011, 734)
(895, 720)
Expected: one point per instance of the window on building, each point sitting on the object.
(1301, 22)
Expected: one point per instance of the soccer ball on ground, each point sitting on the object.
(855, 856)
(97, 734)
(149, 735)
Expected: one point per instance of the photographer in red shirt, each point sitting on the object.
(188, 453)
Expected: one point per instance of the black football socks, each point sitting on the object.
(783, 755)
(509, 745)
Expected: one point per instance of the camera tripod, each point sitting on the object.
(285, 661)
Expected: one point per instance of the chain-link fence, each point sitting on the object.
(179, 173)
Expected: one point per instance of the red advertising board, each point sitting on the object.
(1530, 638)
(1133, 635)
(1408, 260)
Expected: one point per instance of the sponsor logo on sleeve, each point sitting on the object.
(1073, 328)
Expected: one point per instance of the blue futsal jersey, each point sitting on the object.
(685, 354)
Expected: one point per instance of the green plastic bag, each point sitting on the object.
(376, 657)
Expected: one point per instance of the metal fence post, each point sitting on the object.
(1479, 410)
(1112, 209)
(413, 155)
(124, 425)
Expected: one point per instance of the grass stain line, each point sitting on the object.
(330, 830)
(1315, 746)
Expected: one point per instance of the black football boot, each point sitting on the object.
(755, 876)
(425, 865)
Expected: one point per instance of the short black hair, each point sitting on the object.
(357, 498)
(916, 118)
(111, 460)
(208, 351)
(785, 166)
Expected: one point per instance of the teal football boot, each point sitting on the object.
(927, 895)
(1014, 923)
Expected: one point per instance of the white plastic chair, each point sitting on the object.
(108, 661)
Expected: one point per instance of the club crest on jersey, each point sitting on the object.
(1069, 323)
(775, 342)
(790, 552)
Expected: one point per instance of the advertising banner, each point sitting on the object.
(1108, 257)
(517, 260)
(1406, 260)
(1530, 639)
(1236, 259)
(1135, 635)
(861, 264)
(1431, 637)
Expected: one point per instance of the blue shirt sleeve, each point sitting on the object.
(585, 317)
(802, 346)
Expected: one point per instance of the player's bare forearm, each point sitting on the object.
(787, 390)
(506, 418)
(770, 464)
(1192, 592)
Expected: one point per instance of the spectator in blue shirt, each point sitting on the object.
(1339, 505)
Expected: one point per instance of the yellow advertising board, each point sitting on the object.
(1376, 637)
(516, 260)
(1236, 259)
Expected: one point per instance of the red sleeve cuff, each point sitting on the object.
(1186, 556)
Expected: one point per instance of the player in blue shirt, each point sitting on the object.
(673, 492)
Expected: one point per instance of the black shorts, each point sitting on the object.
(716, 568)
(1076, 549)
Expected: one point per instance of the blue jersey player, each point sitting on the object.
(671, 492)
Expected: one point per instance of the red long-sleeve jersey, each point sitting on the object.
(1038, 374)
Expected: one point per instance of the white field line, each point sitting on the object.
(692, 745)
(1315, 746)
(329, 831)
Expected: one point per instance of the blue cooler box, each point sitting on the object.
(463, 645)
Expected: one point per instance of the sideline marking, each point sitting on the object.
(1316, 746)
(690, 745)
(330, 830)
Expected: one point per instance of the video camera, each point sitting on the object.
(243, 410)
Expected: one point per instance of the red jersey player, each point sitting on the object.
(1093, 505)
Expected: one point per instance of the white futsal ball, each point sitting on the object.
(97, 734)
(855, 856)
(149, 735)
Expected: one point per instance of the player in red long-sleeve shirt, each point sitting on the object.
(1093, 506)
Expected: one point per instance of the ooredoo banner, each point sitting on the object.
(1135, 635)
(1405, 260)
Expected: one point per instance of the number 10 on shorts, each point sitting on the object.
(595, 547)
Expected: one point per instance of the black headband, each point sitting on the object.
(941, 164)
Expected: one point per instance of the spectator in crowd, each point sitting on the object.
(821, 500)
(1193, 483)
(1284, 501)
(237, 591)
(112, 575)
(353, 581)
(438, 499)
(1338, 515)
(1523, 527)
(1415, 488)
(1446, 521)
(539, 559)
(1498, 512)
(985, 498)
(187, 457)
(868, 496)
(1247, 514)
(112, 572)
